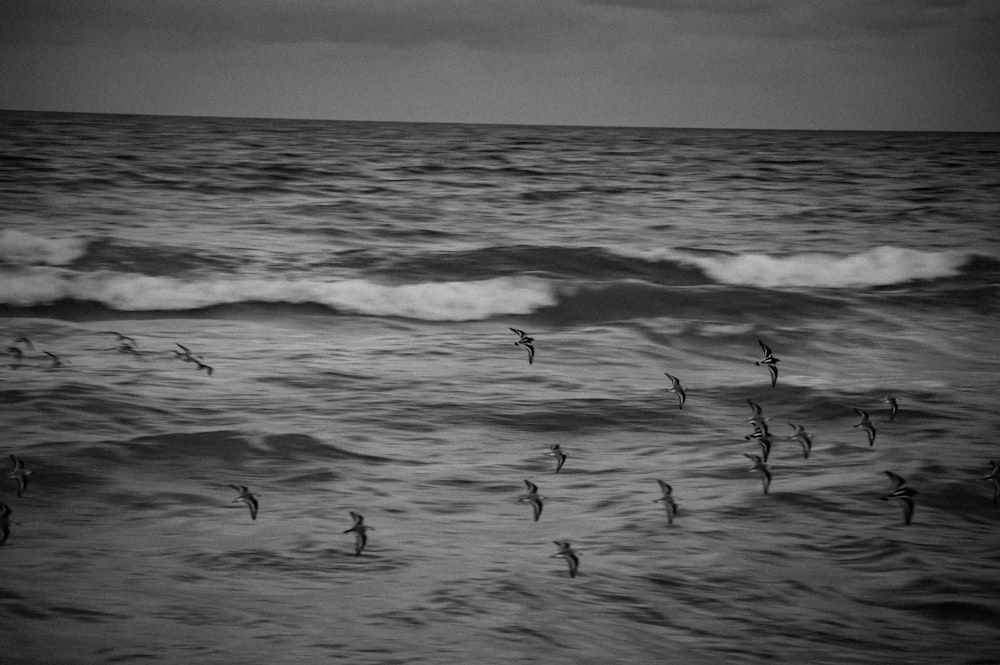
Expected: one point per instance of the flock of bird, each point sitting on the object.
(761, 435)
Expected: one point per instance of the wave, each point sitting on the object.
(129, 292)
(21, 248)
(561, 284)
(879, 266)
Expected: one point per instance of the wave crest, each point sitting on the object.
(430, 301)
(22, 248)
(879, 266)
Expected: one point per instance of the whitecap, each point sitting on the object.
(19, 247)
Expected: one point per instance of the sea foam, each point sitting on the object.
(430, 301)
(19, 247)
(879, 266)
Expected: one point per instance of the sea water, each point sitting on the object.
(353, 285)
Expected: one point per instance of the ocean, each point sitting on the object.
(323, 312)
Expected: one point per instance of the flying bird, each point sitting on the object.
(527, 342)
(559, 454)
(668, 500)
(360, 530)
(5, 522)
(675, 387)
(246, 497)
(757, 418)
(893, 403)
(865, 424)
(770, 361)
(902, 493)
(566, 552)
(533, 497)
(760, 467)
(802, 437)
(20, 474)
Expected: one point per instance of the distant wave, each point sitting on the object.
(879, 266)
(21, 248)
(578, 283)
(430, 301)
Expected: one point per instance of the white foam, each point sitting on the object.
(431, 301)
(879, 266)
(19, 247)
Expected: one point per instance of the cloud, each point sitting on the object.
(483, 24)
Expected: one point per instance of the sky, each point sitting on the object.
(784, 64)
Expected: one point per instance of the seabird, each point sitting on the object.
(56, 362)
(186, 355)
(247, 498)
(770, 361)
(24, 340)
(994, 477)
(866, 425)
(124, 339)
(566, 552)
(668, 500)
(5, 522)
(757, 418)
(20, 474)
(526, 342)
(802, 437)
(893, 406)
(557, 452)
(675, 387)
(902, 492)
(763, 437)
(360, 530)
(761, 468)
(533, 497)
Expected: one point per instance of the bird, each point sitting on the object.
(994, 477)
(360, 530)
(20, 474)
(246, 497)
(675, 387)
(125, 347)
(893, 403)
(559, 454)
(124, 339)
(533, 497)
(186, 355)
(763, 437)
(902, 492)
(527, 342)
(566, 552)
(770, 361)
(24, 340)
(757, 418)
(5, 522)
(760, 467)
(56, 361)
(668, 500)
(802, 437)
(866, 425)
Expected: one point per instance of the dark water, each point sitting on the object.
(352, 285)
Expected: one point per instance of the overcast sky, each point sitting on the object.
(809, 64)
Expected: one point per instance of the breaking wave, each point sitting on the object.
(880, 266)
(21, 248)
(430, 301)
